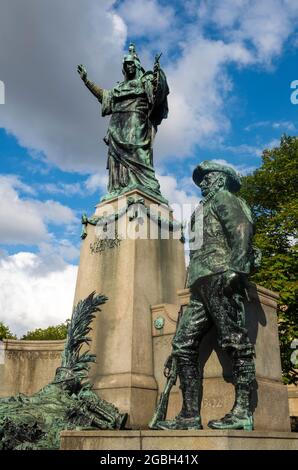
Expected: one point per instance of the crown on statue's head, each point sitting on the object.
(132, 55)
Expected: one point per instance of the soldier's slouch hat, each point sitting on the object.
(208, 166)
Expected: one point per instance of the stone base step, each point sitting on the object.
(178, 440)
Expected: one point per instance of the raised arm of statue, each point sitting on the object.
(137, 105)
(95, 89)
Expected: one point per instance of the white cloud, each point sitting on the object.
(279, 125)
(265, 25)
(240, 169)
(96, 182)
(147, 17)
(245, 169)
(15, 182)
(199, 81)
(34, 293)
(199, 85)
(256, 125)
(176, 192)
(47, 106)
(24, 221)
(65, 189)
(54, 212)
(67, 250)
(20, 222)
(49, 109)
(56, 253)
(286, 125)
(243, 149)
(181, 194)
(272, 144)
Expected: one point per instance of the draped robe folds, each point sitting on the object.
(135, 111)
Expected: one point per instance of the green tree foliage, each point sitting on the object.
(271, 192)
(49, 333)
(5, 332)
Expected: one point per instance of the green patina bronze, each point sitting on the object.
(137, 106)
(102, 244)
(35, 422)
(133, 204)
(159, 323)
(221, 258)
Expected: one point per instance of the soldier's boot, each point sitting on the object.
(240, 416)
(189, 416)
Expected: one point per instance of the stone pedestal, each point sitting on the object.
(293, 399)
(178, 440)
(27, 366)
(270, 398)
(135, 271)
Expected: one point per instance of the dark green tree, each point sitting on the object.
(271, 191)
(5, 332)
(49, 333)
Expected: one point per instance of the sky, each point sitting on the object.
(229, 65)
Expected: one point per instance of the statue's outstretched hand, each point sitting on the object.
(82, 71)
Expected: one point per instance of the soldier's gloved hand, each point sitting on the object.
(168, 366)
(230, 283)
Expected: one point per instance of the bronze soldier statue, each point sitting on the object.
(221, 257)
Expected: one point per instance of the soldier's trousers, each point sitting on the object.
(209, 306)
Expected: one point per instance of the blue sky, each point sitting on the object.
(229, 66)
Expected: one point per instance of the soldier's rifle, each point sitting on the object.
(170, 372)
